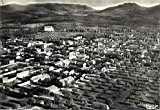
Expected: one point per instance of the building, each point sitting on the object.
(48, 29)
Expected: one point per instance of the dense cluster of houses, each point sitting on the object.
(125, 59)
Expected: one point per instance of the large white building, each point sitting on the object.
(48, 29)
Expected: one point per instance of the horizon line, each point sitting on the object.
(94, 7)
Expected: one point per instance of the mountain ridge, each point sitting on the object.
(124, 14)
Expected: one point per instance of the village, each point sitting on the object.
(113, 69)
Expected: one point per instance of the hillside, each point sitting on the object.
(131, 13)
(125, 14)
(42, 12)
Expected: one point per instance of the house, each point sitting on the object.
(11, 61)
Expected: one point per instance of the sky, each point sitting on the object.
(97, 4)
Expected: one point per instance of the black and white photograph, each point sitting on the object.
(79, 54)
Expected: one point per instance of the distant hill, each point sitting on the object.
(46, 7)
(125, 14)
(131, 13)
(42, 12)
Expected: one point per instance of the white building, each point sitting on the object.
(48, 29)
